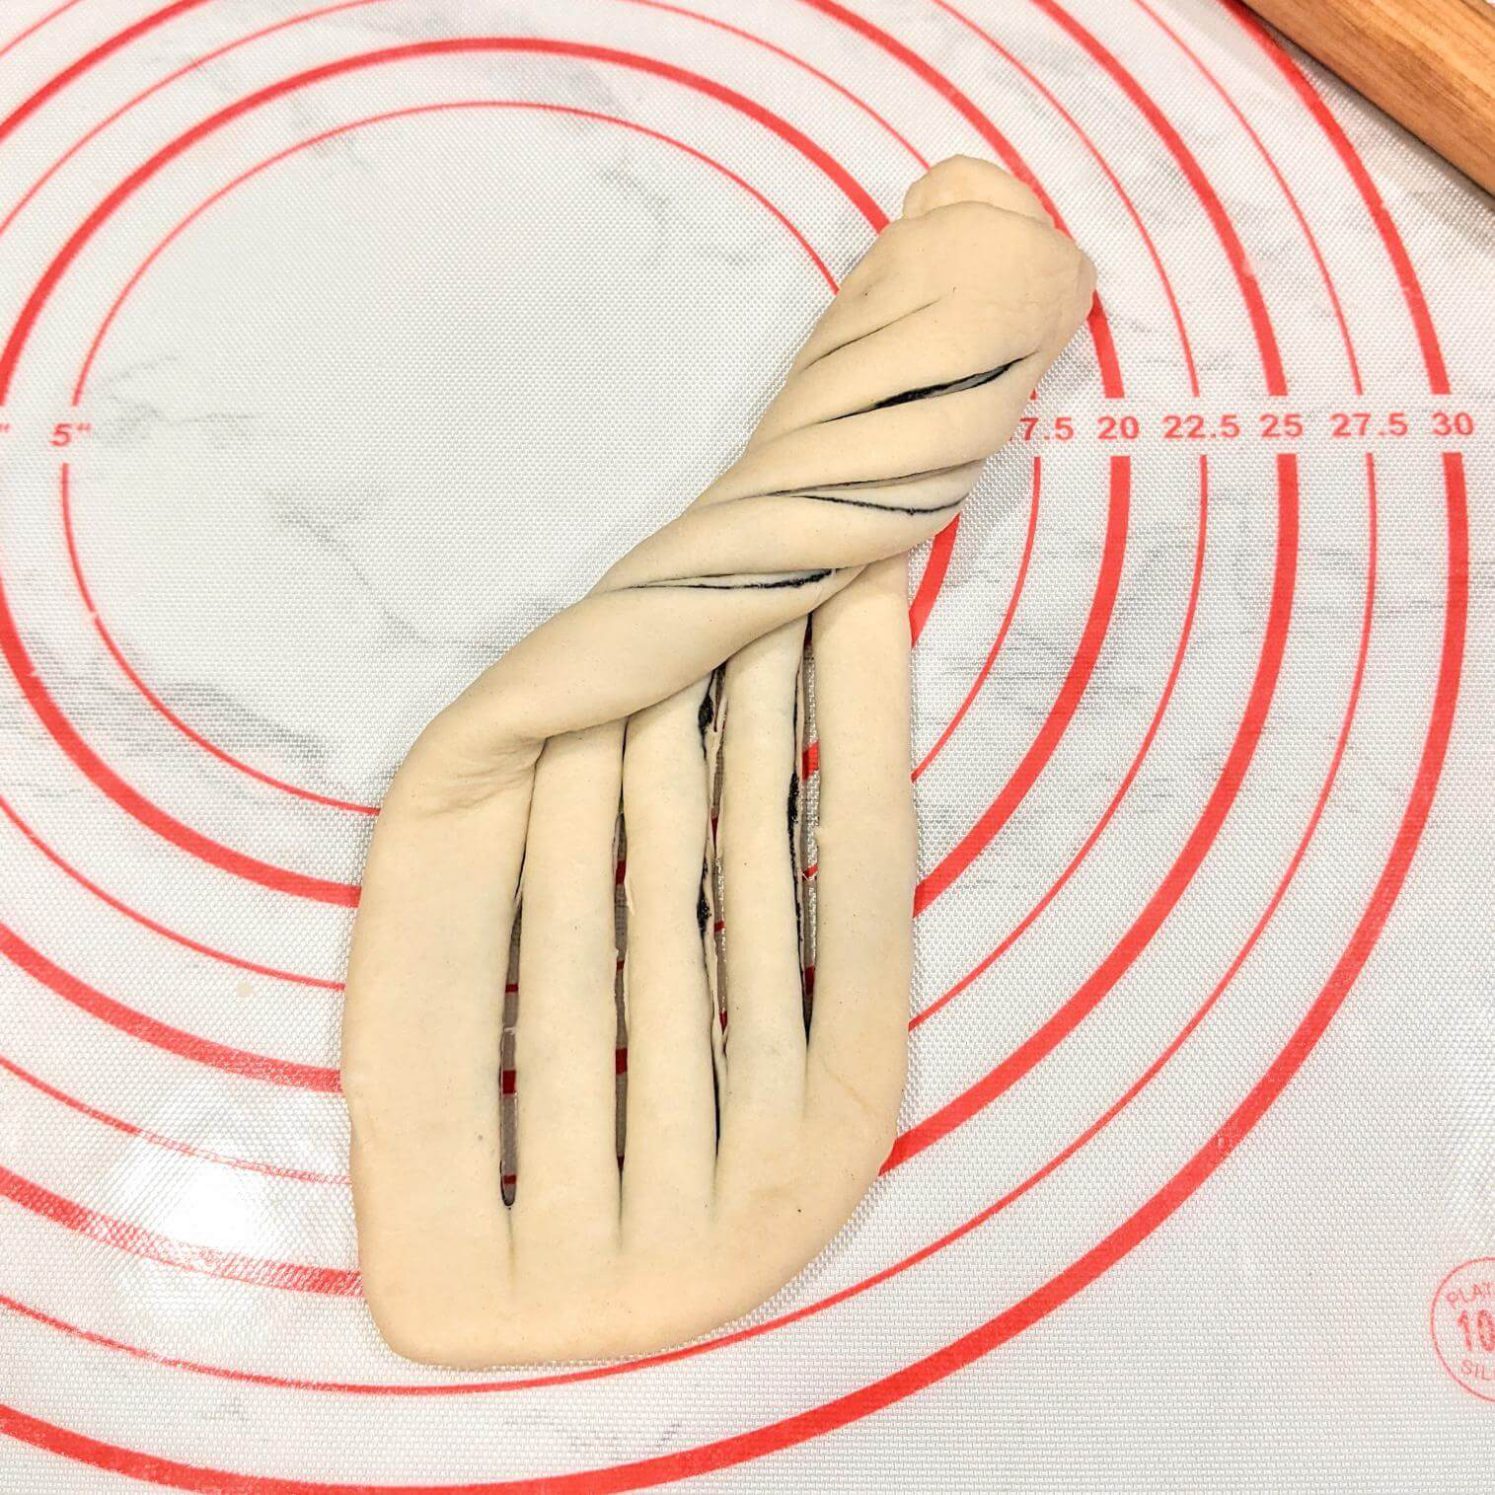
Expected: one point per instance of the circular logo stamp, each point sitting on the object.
(1463, 1325)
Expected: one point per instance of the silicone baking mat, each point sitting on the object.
(341, 343)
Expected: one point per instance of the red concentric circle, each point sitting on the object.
(1030, 685)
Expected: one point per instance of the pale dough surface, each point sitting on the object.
(673, 690)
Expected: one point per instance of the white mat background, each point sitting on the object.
(386, 403)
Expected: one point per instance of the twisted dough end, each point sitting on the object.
(969, 179)
(756, 1111)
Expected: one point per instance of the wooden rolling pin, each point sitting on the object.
(1428, 63)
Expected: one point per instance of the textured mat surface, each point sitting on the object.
(340, 344)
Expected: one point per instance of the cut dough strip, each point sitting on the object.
(671, 1130)
(765, 1037)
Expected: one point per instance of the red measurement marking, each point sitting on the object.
(1459, 423)
(1293, 1066)
(1200, 428)
(1061, 428)
(1352, 424)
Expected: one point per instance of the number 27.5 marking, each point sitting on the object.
(1346, 423)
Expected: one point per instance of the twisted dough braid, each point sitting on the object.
(673, 690)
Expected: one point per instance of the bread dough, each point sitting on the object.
(673, 690)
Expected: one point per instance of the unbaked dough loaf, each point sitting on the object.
(673, 692)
